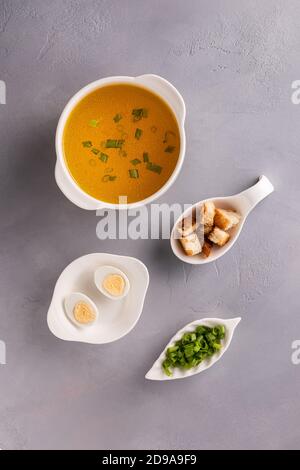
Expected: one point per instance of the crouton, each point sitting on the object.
(207, 229)
(191, 244)
(206, 248)
(187, 226)
(207, 215)
(218, 236)
(226, 219)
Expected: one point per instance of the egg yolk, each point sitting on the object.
(83, 313)
(114, 284)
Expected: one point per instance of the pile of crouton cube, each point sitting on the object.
(207, 227)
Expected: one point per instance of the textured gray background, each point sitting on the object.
(233, 61)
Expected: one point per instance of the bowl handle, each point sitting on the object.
(252, 196)
(71, 193)
(164, 88)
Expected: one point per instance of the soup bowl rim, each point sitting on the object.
(91, 202)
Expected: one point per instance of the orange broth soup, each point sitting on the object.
(121, 140)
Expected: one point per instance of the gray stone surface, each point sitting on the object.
(234, 62)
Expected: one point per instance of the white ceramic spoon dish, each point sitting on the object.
(116, 319)
(156, 372)
(243, 203)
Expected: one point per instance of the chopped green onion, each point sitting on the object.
(103, 157)
(118, 117)
(155, 168)
(146, 157)
(93, 123)
(138, 133)
(136, 161)
(139, 113)
(193, 348)
(166, 367)
(133, 173)
(107, 178)
(170, 149)
(114, 143)
(87, 143)
(95, 151)
(167, 134)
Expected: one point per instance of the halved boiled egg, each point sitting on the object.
(80, 309)
(111, 282)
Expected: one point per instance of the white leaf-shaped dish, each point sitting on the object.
(115, 319)
(156, 372)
